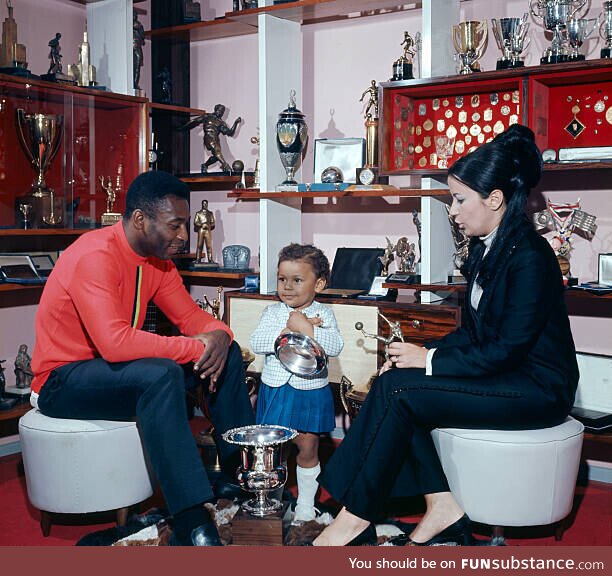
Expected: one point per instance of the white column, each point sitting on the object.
(109, 24)
(438, 16)
(280, 71)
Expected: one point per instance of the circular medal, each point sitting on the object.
(475, 116)
(609, 115)
(418, 149)
(445, 102)
(475, 129)
(505, 110)
(506, 97)
(451, 132)
(422, 161)
(486, 128)
(498, 128)
(463, 129)
(599, 106)
(428, 124)
(448, 113)
(513, 120)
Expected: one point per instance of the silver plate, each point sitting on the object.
(300, 354)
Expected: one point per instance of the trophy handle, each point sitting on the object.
(58, 138)
(498, 38)
(345, 387)
(482, 46)
(535, 14)
(595, 22)
(456, 33)
(20, 135)
(579, 6)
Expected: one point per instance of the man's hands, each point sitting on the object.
(298, 322)
(212, 361)
(404, 355)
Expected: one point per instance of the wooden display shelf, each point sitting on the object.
(437, 287)
(19, 287)
(9, 232)
(16, 412)
(219, 275)
(215, 182)
(254, 194)
(205, 30)
(158, 106)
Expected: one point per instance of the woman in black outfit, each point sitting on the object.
(511, 366)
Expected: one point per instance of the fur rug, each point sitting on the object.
(153, 529)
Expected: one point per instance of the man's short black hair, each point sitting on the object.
(148, 190)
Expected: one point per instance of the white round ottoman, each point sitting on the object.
(82, 466)
(512, 478)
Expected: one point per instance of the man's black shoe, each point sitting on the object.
(204, 535)
(228, 490)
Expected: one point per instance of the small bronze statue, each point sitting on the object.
(402, 67)
(213, 125)
(215, 305)
(23, 370)
(203, 225)
(138, 41)
(55, 55)
(373, 101)
(406, 253)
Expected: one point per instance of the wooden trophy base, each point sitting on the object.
(248, 530)
(110, 218)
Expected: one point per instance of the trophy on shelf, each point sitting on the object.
(25, 210)
(554, 15)
(215, 305)
(203, 225)
(565, 219)
(402, 67)
(111, 217)
(605, 30)
(368, 174)
(470, 41)
(12, 54)
(291, 137)
(40, 136)
(511, 37)
(578, 31)
(84, 72)
(261, 469)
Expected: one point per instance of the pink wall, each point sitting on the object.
(340, 59)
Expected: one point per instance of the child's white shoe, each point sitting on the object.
(304, 513)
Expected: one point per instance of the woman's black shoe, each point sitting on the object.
(459, 533)
(365, 538)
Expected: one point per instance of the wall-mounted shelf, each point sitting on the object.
(206, 30)
(8, 232)
(436, 287)
(212, 182)
(229, 279)
(157, 106)
(254, 194)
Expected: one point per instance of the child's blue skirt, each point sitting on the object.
(302, 410)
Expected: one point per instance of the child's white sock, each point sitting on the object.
(307, 490)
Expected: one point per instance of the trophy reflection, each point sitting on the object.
(578, 31)
(470, 40)
(511, 37)
(554, 15)
(261, 470)
(605, 30)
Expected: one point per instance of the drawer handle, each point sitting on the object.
(418, 324)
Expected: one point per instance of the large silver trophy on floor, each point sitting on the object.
(605, 30)
(470, 41)
(554, 16)
(261, 469)
(40, 136)
(291, 137)
(511, 37)
(578, 31)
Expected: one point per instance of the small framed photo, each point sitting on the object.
(604, 275)
(347, 154)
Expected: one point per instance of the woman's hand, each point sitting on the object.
(405, 355)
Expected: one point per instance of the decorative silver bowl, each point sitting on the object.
(300, 354)
(261, 469)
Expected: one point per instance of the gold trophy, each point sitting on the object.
(111, 217)
(470, 40)
(40, 136)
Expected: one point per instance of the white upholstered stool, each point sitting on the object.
(512, 478)
(82, 466)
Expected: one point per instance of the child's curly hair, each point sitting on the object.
(308, 253)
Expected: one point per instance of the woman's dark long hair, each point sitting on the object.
(512, 163)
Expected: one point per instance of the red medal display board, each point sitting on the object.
(428, 124)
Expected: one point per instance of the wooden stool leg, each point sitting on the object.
(45, 523)
(122, 516)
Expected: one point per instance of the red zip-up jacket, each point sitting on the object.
(94, 304)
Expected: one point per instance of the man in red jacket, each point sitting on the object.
(92, 359)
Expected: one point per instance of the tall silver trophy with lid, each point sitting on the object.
(291, 138)
(605, 30)
(554, 16)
